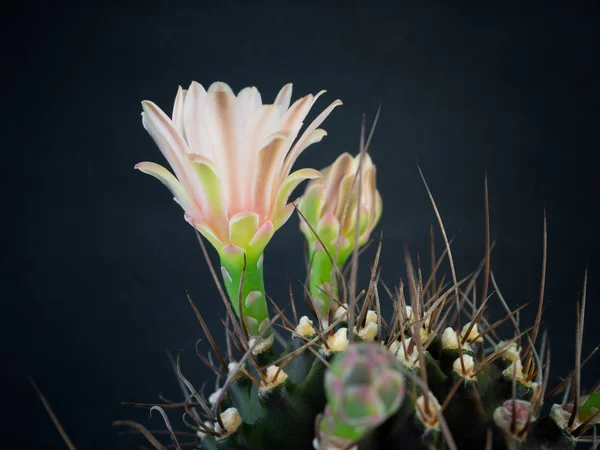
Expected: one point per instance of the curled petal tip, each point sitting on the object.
(312, 174)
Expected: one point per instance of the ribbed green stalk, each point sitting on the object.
(252, 299)
(320, 276)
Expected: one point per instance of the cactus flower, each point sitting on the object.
(329, 207)
(232, 158)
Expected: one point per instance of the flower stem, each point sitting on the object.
(252, 299)
(320, 277)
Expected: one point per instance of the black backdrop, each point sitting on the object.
(98, 259)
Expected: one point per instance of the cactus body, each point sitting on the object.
(433, 375)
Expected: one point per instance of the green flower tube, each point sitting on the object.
(236, 270)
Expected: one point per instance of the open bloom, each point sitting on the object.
(232, 157)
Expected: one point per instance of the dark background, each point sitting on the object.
(98, 259)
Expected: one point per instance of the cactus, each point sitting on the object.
(432, 375)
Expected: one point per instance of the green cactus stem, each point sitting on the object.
(320, 281)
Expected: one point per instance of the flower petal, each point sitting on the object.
(291, 122)
(262, 237)
(328, 228)
(290, 183)
(312, 202)
(213, 206)
(260, 131)
(266, 174)
(293, 118)
(223, 124)
(207, 232)
(370, 190)
(346, 197)
(365, 222)
(283, 215)
(315, 137)
(169, 141)
(378, 209)
(269, 131)
(249, 100)
(195, 132)
(299, 146)
(177, 116)
(169, 180)
(341, 167)
(284, 97)
(242, 228)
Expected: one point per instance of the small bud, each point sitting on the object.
(341, 312)
(474, 333)
(517, 412)
(305, 327)
(449, 339)
(274, 377)
(212, 398)
(424, 334)
(515, 370)
(428, 414)
(511, 352)
(239, 370)
(561, 414)
(427, 320)
(231, 421)
(336, 343)
(465, 367)
(370, 330)
(406, 357)
(262, 346)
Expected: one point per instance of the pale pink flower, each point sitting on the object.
(232, 157)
